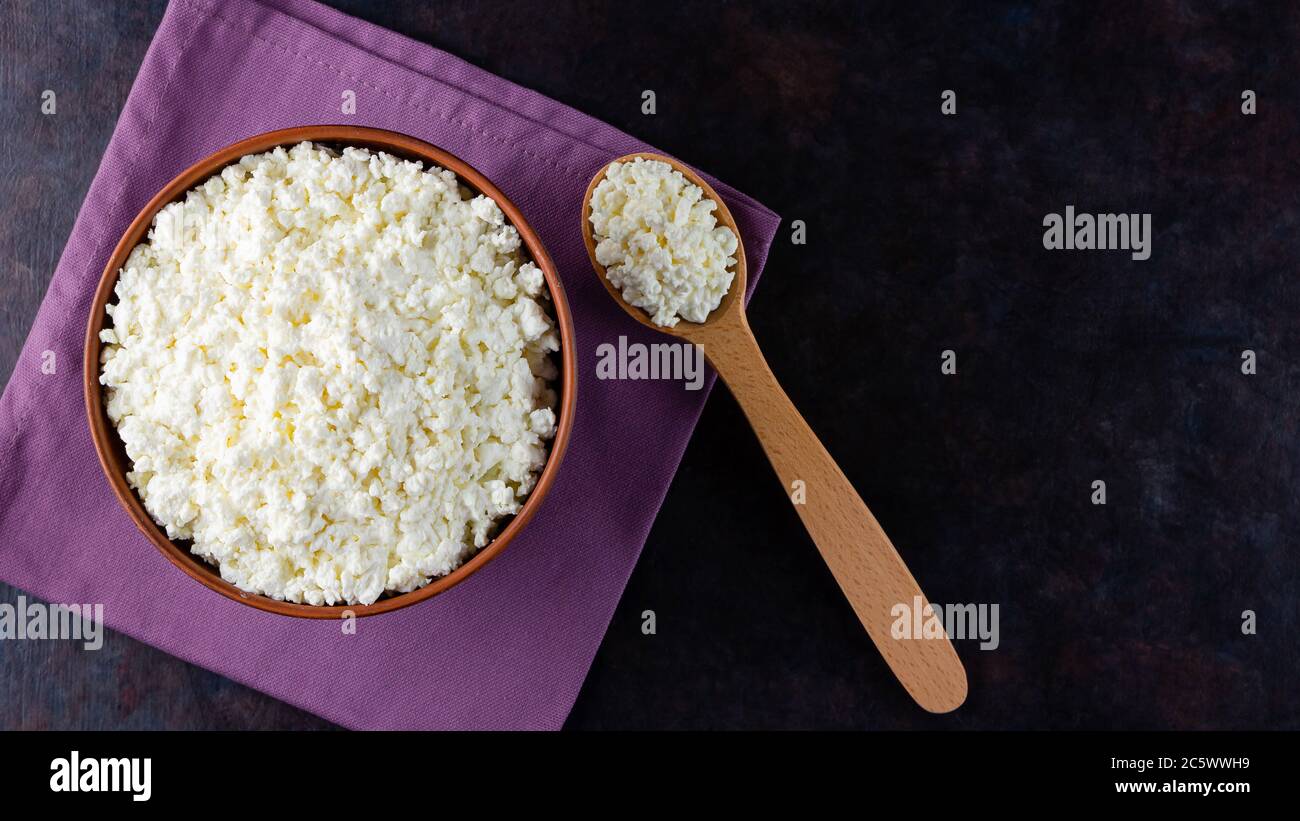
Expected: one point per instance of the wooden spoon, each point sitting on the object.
(859, 554)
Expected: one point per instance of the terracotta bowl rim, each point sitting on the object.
(108, 446)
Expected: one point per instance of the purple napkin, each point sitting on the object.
(509, 647)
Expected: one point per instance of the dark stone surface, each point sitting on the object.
(924, 234)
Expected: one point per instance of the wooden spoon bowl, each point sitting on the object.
(868, 569)
(732, 305)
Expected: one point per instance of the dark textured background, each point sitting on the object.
(924, 233)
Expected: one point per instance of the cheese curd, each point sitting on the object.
(331, 373)
(660, 243)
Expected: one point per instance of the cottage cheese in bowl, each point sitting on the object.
(331, 373)
(660, 243)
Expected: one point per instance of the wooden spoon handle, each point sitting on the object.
(859, 554)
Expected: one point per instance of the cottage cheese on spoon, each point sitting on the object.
(660, 243)
(331, 373)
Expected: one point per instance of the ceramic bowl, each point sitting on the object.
(112, 455)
